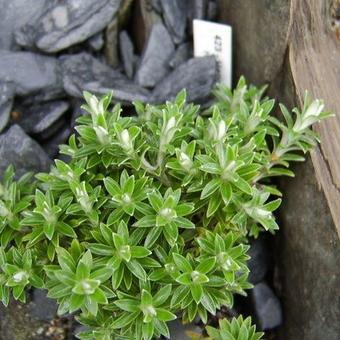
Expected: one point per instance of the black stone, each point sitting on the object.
(41, 307)
(155, 59)
(174, 14)
(267, 307)
(51, 146)
(182, 54)
(126, 53)
(197, 9)
(178, 330)
(6, 102)
(16, 13)
(197, 76)
(80, 69)
(31, 73)
(260, 260)
(23, 152)
(67, 23)
(39, 118)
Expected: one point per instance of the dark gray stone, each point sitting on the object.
(23, 152)
(212, 10)
(51, 147)
(41, 307)
(96, 42)
(67, 23)
(156, 4)
(174, 14)
(197, 76)
(155, 60)
(80, 69)
(123, 91)
(182, 53)
(178, 330)
(126, 53)
(39, 118)
(197, 9)
(31, 73)
(267, 307)
(16, 13)
(6, 102)
(260, 260)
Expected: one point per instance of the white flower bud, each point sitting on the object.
(185, 161)
(125, 140)
(20, 276)
(314, 109)
(221, 130)
(102, 135)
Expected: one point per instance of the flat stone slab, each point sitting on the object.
(6, 101)
(30, 73)
(67, 23)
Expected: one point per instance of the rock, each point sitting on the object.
(197, 9)
(197, 75)
(41, 307)
(6, 101)
(267, 307)
(82, 68)
(16, 13)
(182, 53)
(51, 146)
(39, 118)
(31, 73)
(178, 331)
(155, 59)
(67, 23)
(260, 260)
(126, 53)
(23, 152)
(174, 14)
(123, 91)
(96, 42)
(212, 10)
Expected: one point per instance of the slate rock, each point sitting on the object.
(197, 9)
(16, 13)
(126, 53)
(82, 68)
(67, 23)
(197, 75)
(260, 260)
(23, 152)
(96, 42)
(174, 14)
(39, 118)
(178, 330)
(182, 54)
(267, 307)
(41, 307)
(31, 73)
(6, 102)
(51, 146)
(124, 91)
(154, 64)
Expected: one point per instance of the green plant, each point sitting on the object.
(150, 218)
(235, 329)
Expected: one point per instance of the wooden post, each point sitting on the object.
(294, 45)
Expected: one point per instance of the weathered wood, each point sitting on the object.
(294, 45)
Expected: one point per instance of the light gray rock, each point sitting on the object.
(267, 306)
(155, 60)
(6, 102)
(126, 53)
(174, 14)
(31, 73)
(39, 118)
(96, 42)
(80, 69)
(16, 13)
(260, 260)
(182, 54)
(23, 152)
(197, 76)
(67, 23)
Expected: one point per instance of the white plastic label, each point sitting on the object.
(211, 38)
